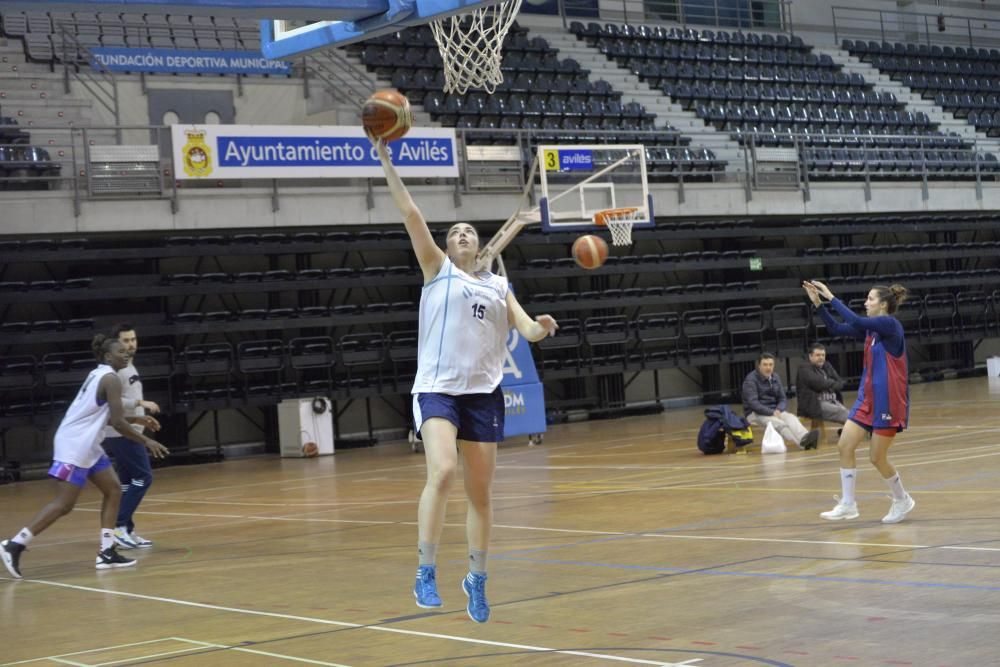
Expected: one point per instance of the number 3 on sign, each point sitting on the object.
(551, 158)
(479, 311)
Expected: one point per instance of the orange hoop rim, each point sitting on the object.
(615, 214)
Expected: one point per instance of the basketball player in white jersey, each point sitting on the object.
(465, 316)
(78, 457)
(131, 459)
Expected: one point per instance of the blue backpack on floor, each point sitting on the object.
(719, 422)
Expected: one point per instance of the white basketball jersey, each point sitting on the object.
(78, 438)
(463, 332)
(131, 395)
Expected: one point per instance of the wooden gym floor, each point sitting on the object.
(615, 543)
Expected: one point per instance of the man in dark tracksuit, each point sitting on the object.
(818, 386)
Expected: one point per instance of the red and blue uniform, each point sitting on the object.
(884, 393)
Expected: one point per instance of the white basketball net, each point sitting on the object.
(470, 46)
(619, 221)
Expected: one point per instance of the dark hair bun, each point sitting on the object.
(899, 292)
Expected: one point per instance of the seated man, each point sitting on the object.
(818, 386)
(764, 402)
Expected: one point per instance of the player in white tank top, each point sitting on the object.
(463, 330)
(79, 457)
(464, 319)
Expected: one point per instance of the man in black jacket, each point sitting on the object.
(764, 402)
(818, 386)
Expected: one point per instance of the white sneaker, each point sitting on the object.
(124, 539)
(899, 509)
(140, 542)
(842, 511)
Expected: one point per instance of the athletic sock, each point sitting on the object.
(107, 538)
(477, 561)
(848, 478)
(427, 552)
(896, 486)
(24, 537)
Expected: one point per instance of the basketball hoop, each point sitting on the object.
(619, 221)
(470, 46)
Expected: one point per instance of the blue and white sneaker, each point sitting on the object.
(425, 589)
(124, 539)
(140, 542)
(474, 586)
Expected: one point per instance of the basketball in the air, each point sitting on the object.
(386, 115)
(590, 252)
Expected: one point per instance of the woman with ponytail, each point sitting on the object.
(882, 408)
(78, 457)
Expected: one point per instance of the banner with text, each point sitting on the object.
(523, 394)
(179, 61)
(288, 151)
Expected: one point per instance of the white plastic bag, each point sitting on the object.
(772, 443)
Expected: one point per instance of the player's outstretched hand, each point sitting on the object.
(156, 450)
(823, 290)
(151, 406)
(811, 292)
(146, 422)
(548, 323)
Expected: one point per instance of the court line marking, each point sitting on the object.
(344, 624)
(597, 532)
(148, 657)
(269, 654)
(92, 650)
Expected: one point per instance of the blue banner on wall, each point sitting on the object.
(289, 151)
(171, 61)
(523, 394)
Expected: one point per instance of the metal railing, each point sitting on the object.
(773, 15)
(341, 78)
(101, 84)
(67, 169)
(847, 158)
(915, 27)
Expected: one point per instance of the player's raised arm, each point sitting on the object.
(429, 255)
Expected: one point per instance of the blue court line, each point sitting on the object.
(765, 575)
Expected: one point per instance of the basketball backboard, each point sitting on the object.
(301, 26)
(575, 182)
(359, 20)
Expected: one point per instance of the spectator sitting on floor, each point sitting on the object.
(764, 402)
(818, 386)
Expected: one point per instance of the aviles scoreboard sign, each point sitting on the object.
(295, 151)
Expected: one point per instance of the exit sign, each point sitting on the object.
(756, 264)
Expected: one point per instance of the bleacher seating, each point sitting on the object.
(553, 98)
(775, 91)
(962, 81)
(42, 32)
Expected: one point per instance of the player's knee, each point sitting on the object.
(63, 507)
(441, 477)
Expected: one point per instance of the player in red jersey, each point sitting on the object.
(882, 408)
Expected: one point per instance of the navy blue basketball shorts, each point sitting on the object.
(478, 417)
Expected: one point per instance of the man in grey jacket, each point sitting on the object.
(764, 402)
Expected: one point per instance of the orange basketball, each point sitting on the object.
(386, 115)
(590, 252)
(310, 449)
